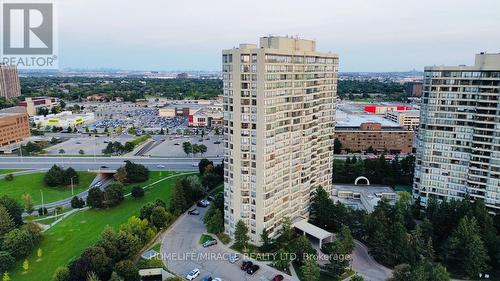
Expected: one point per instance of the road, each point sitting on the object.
(366, 266)
(91, 163)
(182, 253)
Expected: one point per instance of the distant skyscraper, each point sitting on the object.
(9, 82)
(279, 104)
(459, 138)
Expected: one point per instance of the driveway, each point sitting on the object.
(366, 266)
(181, 253)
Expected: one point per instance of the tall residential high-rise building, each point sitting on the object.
(9, 82)
(458, 150)
(279, 114)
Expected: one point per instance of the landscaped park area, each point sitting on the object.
(70, 237)
(33, 185)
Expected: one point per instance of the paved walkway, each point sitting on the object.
(366, 266)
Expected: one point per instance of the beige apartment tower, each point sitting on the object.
(9, 82)
(279, 117)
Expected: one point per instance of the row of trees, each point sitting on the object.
(459, 234)
(18, 240)
(110, 197)
(117, 148)
(132, 173)
(111, 258)
(57, 176)
(378, 171)
(194, 149)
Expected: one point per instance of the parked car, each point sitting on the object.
(245, 265)
(251, 270)
(193, 274)
(203, 203)
(194, 212)
(177, 143)
(278, 277)
(234, 258)
(207, 278)
(216, 142)
(210, 243)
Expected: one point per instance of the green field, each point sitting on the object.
(67, 239)
(33, 183)
(9, 171)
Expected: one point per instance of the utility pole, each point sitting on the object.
(43, 206)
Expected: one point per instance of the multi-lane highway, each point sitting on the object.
(91, 163)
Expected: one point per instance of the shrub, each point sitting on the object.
(6, 261)
(137, 192)
(77, 203)
(43, 212)
(9, 177)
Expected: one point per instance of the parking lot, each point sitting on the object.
(172, 146)
(182, 253)
(89, 145)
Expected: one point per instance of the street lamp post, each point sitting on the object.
(72, 190)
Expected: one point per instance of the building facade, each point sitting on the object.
(33, 104)
(14, 127)
(458, 149)
(279, 113)
(409, 119)
(9, 82)
(373, 137)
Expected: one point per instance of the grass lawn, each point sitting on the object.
(33, 183)
(67, 240)
(9, 171)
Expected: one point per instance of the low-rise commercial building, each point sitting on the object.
(14, 128)
(363, 197)
(381, 109)
(34, 103)
(373, 136)
(210, 116)
(63, 119)
(9, 82)
(409, 119)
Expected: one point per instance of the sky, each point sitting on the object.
(368, 35)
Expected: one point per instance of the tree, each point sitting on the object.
(70, 175)
(137, 192)
(14, 209)
(140, 228)
(241, 235)
(214, 220)
(310, 270)
(115, 277)
(18, 242)
(321, 209)
(465, 250)
(160, 217)
(54, 176)
(98, 261)
(6, 261)
(119, 246)
(91, 276)
(95, 198)
(127, 270)
(187, 147)
(135, 172)
(113, 194)
(121, 175)
(302, 249)
(77, 203)
(61, 274)
(337, 146)
(282, 260)
(286, 231)
(203, 164)
(178, 203)
(202, 149)
(6, 222)
(267, 242)
(26, 265)
(5, 276)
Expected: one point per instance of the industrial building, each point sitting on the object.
(63, 119)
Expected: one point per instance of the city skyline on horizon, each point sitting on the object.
(386, 36)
